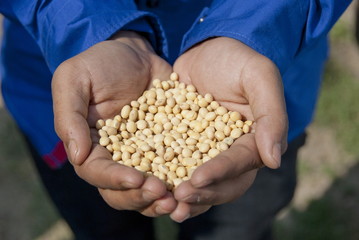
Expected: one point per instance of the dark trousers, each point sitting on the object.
(248, 218)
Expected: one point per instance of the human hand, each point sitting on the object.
(243, 80)
(96, 84)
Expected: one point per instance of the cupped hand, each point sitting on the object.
(243, 80)
(94, 85)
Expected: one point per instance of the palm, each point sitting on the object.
(245, 81)
(97, 84)
(115, 82)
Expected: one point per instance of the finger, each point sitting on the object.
(145, 199)
(241, 157)
(163, 206)
(101, 171)
(268, 106)
(185, 211)
(217, 193)
(70, 102)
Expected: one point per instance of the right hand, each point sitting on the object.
(96, 84)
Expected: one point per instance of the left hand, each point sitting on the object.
(242, 80)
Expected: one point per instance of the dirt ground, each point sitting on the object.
(26, 213)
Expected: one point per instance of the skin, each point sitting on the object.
(245, 81)
(95, 84)
(98, 82)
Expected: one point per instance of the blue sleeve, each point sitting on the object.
(64, 28)
(277, 29)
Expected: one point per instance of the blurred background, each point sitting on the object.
(326, 203)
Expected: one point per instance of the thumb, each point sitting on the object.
(267, 103)
(70, 104)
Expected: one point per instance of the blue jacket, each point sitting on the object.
(40, 34)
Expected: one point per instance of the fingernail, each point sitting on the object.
(73, 151)
(277, 153)
(202, 183)
(185, 218)
(192, 198)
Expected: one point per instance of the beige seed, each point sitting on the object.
(180, 99)
(202, 103)
(168, 140)
(227, 130)
(228, 140)
(141, 115)
(154, 167)
(186, 152)
(136, 161)
(225, 118)
(141, 124)
(214, 105)
(239, 123)
(169, 155)
(126, 156)
(100, 123)
(197, 154)
(171, 175)
(203, 147)
(108, 122)
(159, 160)
(191, 88)
(142, 100)
(114, 138)
(213, 152)
(189, 162)
(131, 127)
(152, 109)
(127, 162)
(111, 131)
(235, 116)
(219, 125)
(210, 116)
(182, 128)
(221, 110)
(158, 128)
(174, 76)
(125, 112)
(181, 172)
(147, 132)
(165, 85)
(163, 168)
(102, 133)
(167, 126)
(151, 94)
(145, 147)
(162, 176)
(115, 124)
(208, 97)
(236, 133)
(116, 146)
(156, 83)
(116, 156)
(245, 128)
(173, 167)
(104, 141)
(249, 122)
(221, 146)
(109, 148)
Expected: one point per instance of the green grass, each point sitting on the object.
(338, 106)
(341, 32)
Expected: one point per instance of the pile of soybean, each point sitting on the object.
(171, 130)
